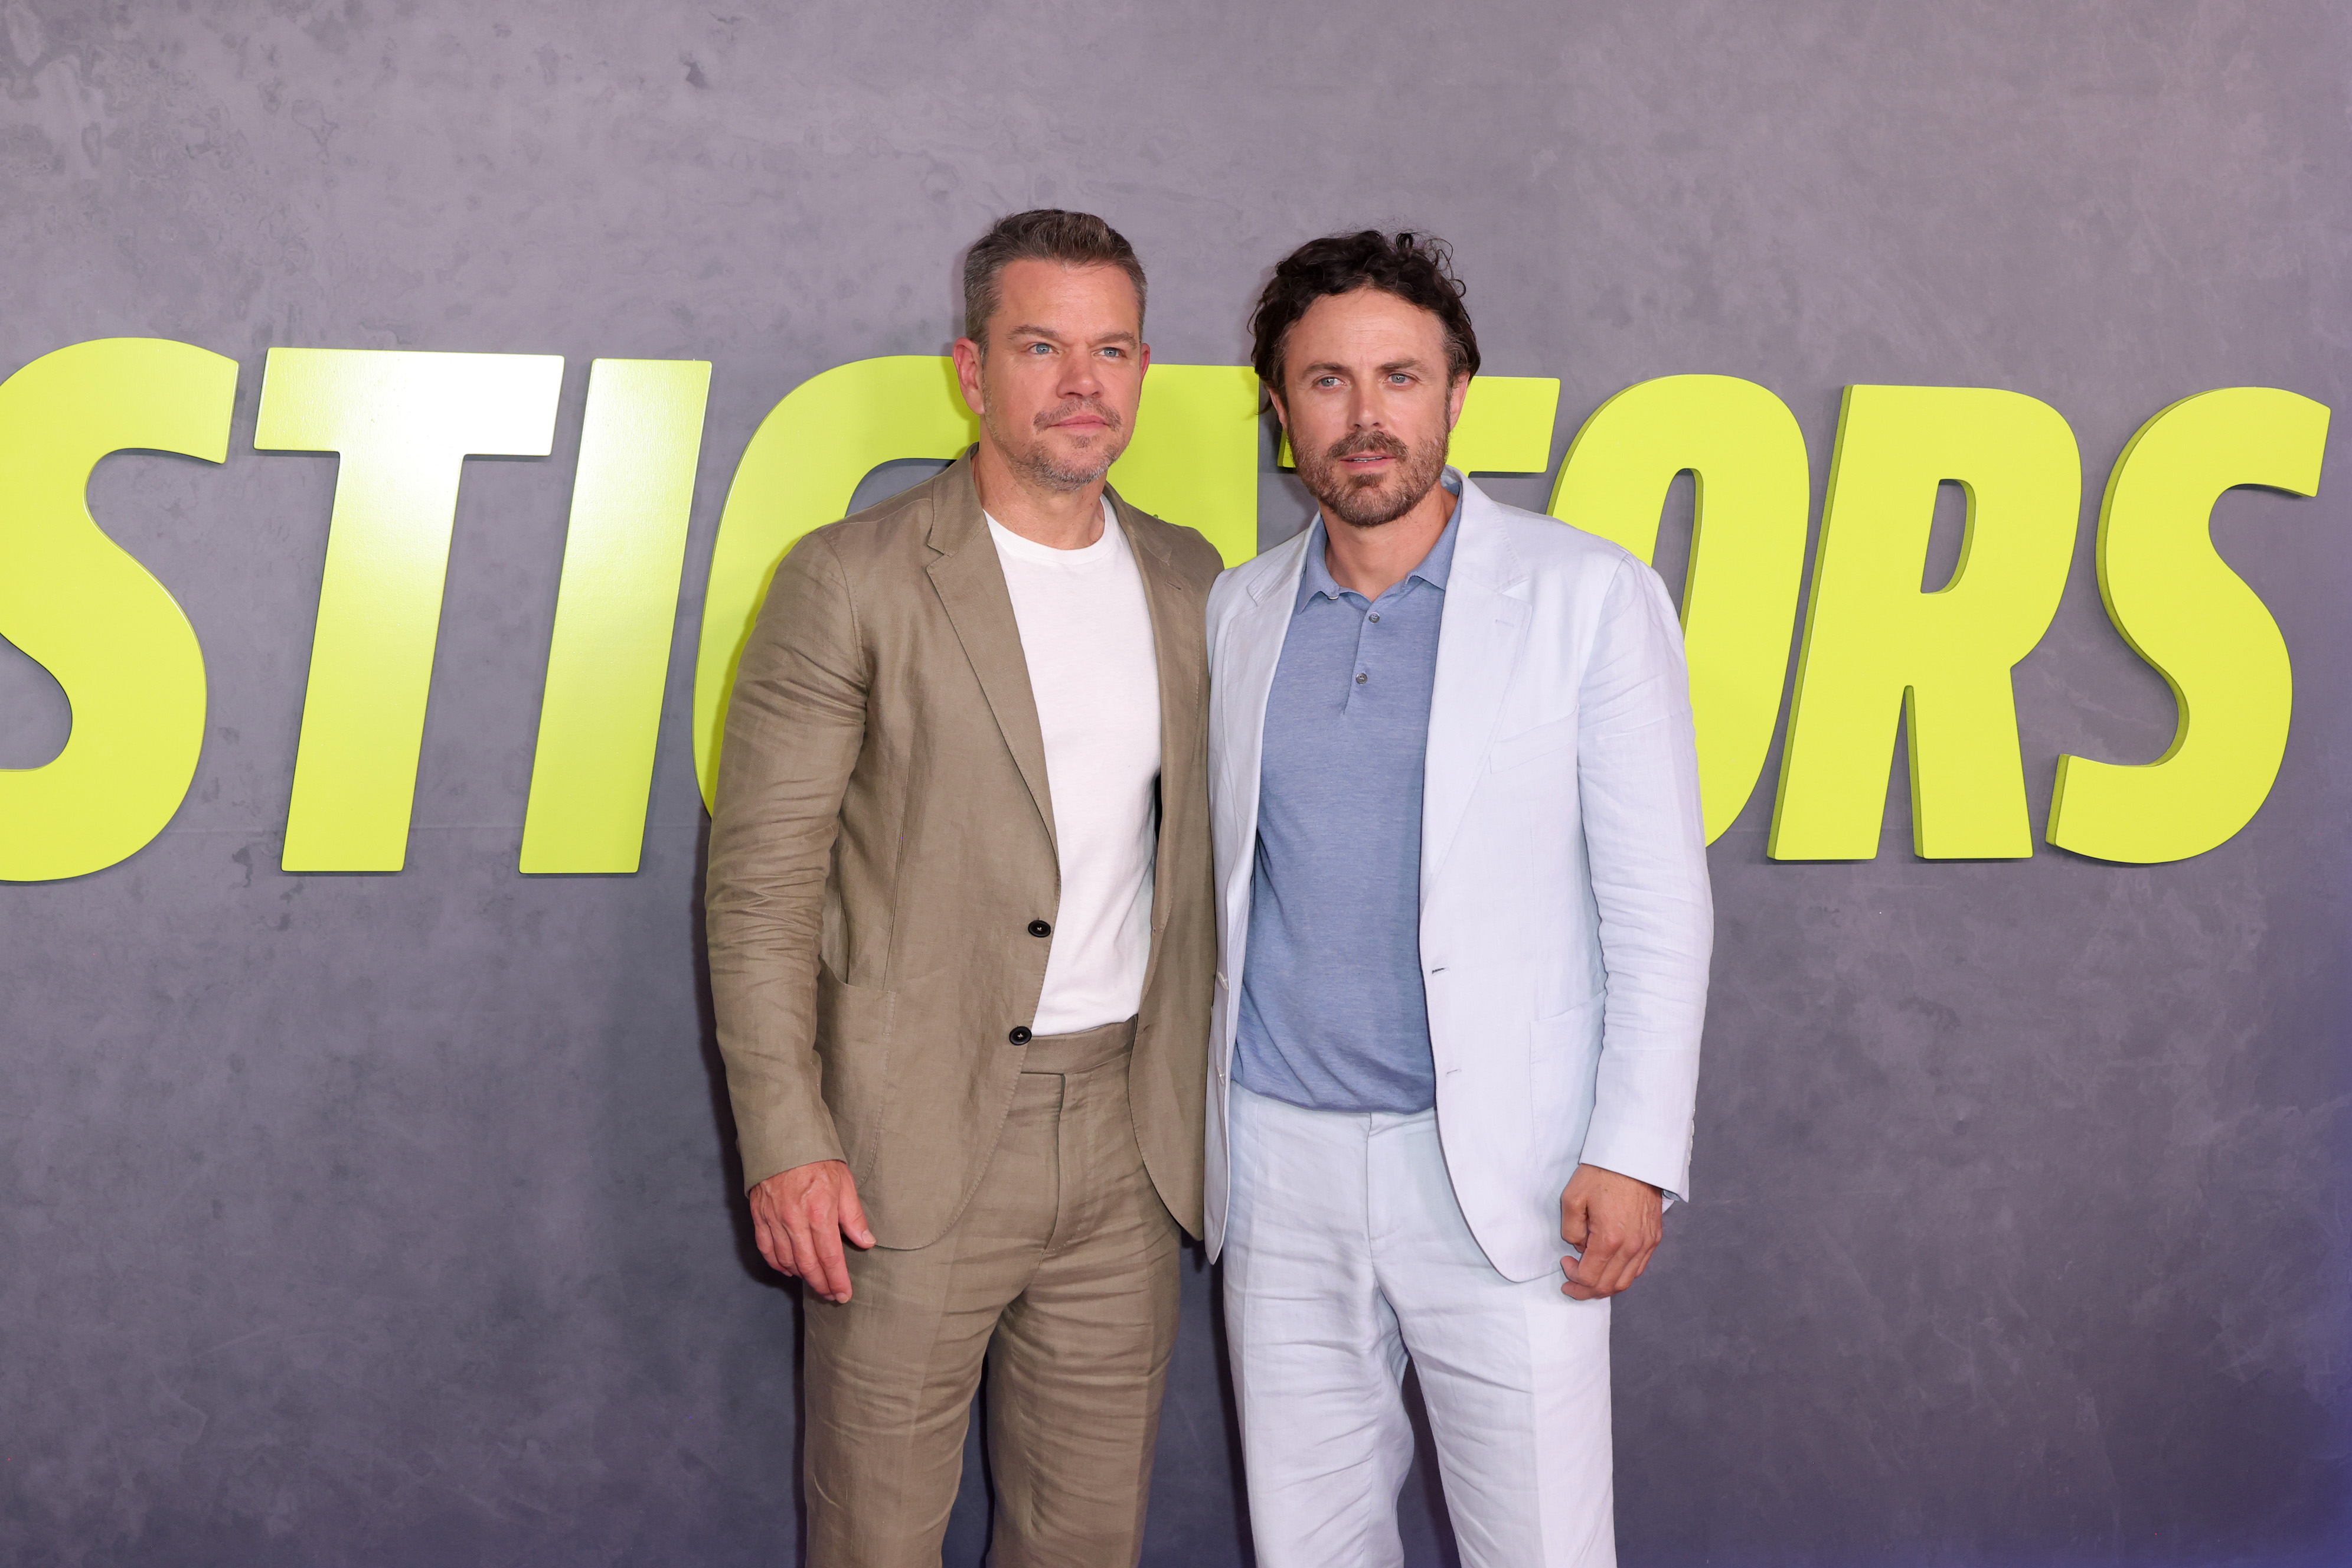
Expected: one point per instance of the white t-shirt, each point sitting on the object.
(1086, 632)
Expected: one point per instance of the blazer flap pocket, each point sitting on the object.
(1576, 1029)
(1529, 745)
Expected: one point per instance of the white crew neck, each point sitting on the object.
(1105, 548)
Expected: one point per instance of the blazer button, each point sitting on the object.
(1039, 928)
(1020, 1036)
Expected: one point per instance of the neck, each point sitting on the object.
(1060, 519)
(1371, 561)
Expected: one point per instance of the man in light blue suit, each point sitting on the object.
(1463, 926)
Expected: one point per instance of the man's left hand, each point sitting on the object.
(1617, 1222)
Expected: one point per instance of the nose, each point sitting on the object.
(1081, 377)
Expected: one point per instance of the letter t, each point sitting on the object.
(404, 424)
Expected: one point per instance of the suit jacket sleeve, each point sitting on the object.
(1646, 845)
(794, 729)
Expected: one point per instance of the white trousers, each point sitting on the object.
(1346, 1254)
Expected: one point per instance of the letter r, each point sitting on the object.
(1876, 644)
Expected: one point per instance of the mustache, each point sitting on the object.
(1094, 405)
(1379, 441)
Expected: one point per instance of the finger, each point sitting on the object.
(1579, 1282)
(804, 1257)
(833, 1268)
(1637, 1240)
(1597, 1270)
(829, 1273)
(1575, 1221)
(773, 1246)
(1616, 1272)
(853, 1214)
(768, 1229)
(1625, 1264)
(1573, 1264)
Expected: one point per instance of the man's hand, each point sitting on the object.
(1616, 1222)
(801, 1216)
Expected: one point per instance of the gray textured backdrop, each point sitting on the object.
(389, 1218)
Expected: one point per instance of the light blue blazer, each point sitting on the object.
(1565, 919)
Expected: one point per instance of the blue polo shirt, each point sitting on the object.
(1333, 1016)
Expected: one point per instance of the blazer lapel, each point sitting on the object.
(970, 582)
(1478, 643)
(1240, 676)
(1176, 617)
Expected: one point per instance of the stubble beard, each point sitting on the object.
(1037, 462)
(1366, 501)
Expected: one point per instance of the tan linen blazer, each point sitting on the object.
(884, 838)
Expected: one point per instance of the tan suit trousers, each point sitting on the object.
(1060, 1274)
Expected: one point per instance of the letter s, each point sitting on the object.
(2183, 609)
(78, 604)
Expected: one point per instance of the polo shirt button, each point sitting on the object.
(1361, 678)
(1020, 1036)
(1039, 928)
(1376, 616)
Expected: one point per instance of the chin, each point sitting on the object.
(1366, 505)
(1062, 469)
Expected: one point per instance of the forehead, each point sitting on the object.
(1071, 302)
(1365, 326)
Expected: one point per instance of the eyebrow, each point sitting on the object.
(1052, 336)
(1319, 366)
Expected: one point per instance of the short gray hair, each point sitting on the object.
(1045, 234)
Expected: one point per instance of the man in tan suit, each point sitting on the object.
(961, 945)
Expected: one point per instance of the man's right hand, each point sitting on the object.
(801, 1216)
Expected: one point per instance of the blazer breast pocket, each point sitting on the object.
(1516, 750)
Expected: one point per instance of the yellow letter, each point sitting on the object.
(1754, 495)
(72, 600)
(804, 464)
(2184, 611)
(1506, 426)
(1194, 456)
(404, 423)
(1873, 641)
(615, 615)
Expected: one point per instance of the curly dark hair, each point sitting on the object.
(1418, 269)
(1044, 233)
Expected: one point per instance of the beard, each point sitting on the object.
(1036, 461)
(1368, 501)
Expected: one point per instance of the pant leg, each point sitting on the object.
(1515, 1375)
(1316, 1357)
(1080, 1360)
(888, 1376)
